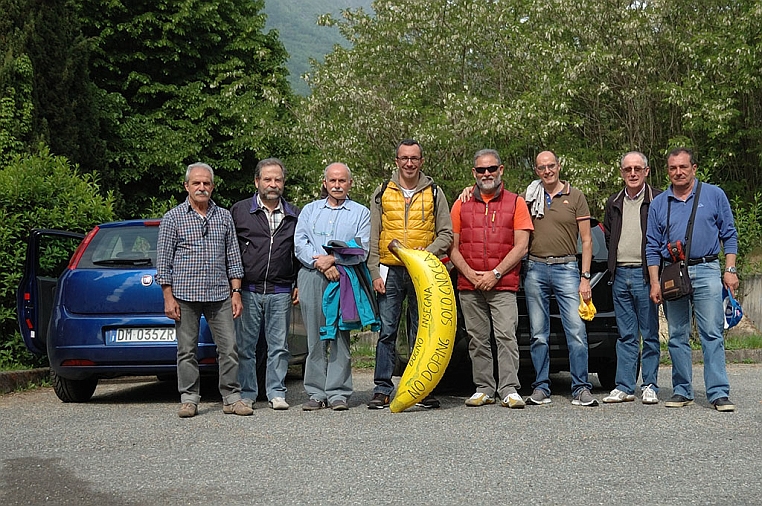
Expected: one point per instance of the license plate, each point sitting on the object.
(143, 335)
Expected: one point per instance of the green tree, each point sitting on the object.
(186, 81)
(61, 98)
(589, 80)
(40, 191)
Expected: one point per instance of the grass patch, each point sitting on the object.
(363, 355)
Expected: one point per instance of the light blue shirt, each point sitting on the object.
(713, 226)
(319, 223)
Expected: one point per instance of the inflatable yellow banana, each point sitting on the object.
(437, 321)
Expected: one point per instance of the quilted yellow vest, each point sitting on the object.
(412, 224)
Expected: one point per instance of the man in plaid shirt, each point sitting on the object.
(199, 269)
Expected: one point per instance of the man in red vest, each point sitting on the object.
(491, 233)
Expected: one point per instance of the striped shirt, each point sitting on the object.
(198, 255)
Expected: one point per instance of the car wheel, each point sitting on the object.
(69, 390)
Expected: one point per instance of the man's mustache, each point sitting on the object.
(205, 193)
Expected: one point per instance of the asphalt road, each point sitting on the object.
(128, 447)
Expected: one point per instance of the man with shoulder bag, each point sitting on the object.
(687, 225)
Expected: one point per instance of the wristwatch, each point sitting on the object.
(235, 290)
(731, 270)
(497, 273)
(586, 275)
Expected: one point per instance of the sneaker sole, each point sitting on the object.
(678, 404)
(725, 408)
(617, 400)
(376, 406)
(654, 401)
(427, 406)
(591, 404)
(530, 401)
(514, 406)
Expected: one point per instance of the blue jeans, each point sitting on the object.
(706, 305)
(219, 316)
(398, 286)
(273, 312)
(562, 280)
(636, 316)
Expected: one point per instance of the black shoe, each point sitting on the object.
(339, 405)
(429, 403)
(723, 404)
(678, 401)
(379, 401)
(313, 405)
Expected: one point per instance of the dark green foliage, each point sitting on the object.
(187, 81)
(61, 99)
(40, 191)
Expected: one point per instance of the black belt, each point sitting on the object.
(553, 260)
(629, 266)
(702, 260)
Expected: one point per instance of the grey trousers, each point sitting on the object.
(219, 316)
(328, 370)
(499, 308)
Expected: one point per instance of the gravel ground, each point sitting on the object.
(127, 447)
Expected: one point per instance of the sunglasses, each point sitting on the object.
(491, 168)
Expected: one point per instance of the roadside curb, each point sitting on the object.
(13, 380)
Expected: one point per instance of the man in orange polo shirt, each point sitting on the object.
(491, 232)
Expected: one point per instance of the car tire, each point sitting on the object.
(69, 390)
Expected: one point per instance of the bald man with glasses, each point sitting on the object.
(625, 226)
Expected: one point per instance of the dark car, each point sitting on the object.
(602, 331)
(100, 313)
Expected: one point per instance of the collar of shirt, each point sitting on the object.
(278, 208)
(637, 195)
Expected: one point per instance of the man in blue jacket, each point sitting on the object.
(713, 228)
(265, 225)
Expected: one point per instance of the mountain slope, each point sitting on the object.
(296, 23)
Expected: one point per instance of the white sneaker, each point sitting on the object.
(649, 395)
(617, 395)
(279, 403)
(479, 399)
(513, 401)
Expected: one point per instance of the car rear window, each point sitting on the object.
(121, 247)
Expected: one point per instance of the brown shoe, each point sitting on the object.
(237, 408)
(187, 410)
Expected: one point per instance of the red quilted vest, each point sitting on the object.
(486, 236)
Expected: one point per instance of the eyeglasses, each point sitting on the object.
(636, 170)
(491, 168)
(413, 159)
(542, 168)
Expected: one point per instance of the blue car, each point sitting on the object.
(101, 314)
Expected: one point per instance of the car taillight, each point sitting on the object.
(208, 360)
(81, 249)
(152, 223)
(76, 362)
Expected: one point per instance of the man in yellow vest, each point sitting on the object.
(410, 208)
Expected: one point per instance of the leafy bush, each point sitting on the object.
(39, 191)
(748, 220)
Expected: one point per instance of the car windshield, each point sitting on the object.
(121, 247)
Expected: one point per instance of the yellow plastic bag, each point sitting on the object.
(586, 309)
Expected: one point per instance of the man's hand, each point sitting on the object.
(295, 296)
(466, 194)
(584, 289)
(235, 301)
(323, 262)
(332, 273)
(379, 286)
(730, 280)
(485, 280)
(656, 293)
(172, 308)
